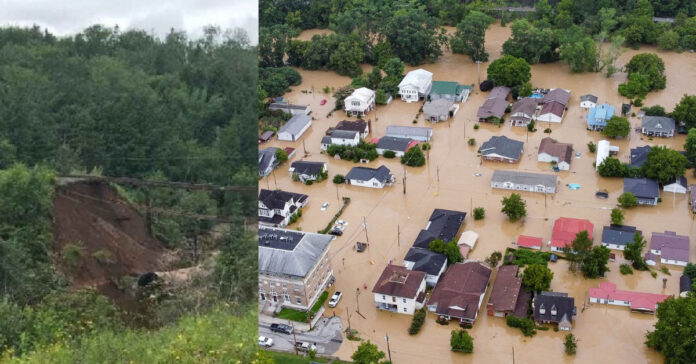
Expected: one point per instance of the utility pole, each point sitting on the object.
(365, 228)
(513, 354)
(294, 338)
(438, 174)
(303, 147)
(337, 198)
(404, 180)
(274, 180)
(357, 301)
(398, 235)
(350, 331)
(268, 184)
(386, 337)
(471, 206)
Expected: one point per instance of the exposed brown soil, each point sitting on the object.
(92, 214)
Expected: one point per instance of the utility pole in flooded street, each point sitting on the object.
(386, 337)
(365, 228)
(404, 180)
(398, 235)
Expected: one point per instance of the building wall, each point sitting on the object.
(340, 141)
(587, 104)
(396, 153)
(672, 261)
(405, 305)
(286, 136)
(409, 93)
(372, 183)
(548, 117)
(519, 187)
(614, 246)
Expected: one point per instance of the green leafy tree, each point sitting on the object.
(617, 216)
(537, 277)
(534, 45)
(281, 155)
(627, 200)
(571, 344)
(449, 249)
(414, 157)
(461, 341)
(338, 179)
(668, 40)
(578, 249)
(685, 111)
(594, 265)
(479, 213)
(418, 321)
(470, 36)
(664, 164)
(525, 90)
(646, 72)
(675, 330)
(616, 127)
(634, 252)
(655, 110)
(494, 258)
(368, 353)
(580, 54)
(514, 207)
(414, 35)
(509, 71)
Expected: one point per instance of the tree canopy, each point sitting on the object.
(617, 127)
(685, 111)
(646, 72)
(509, 71)
(675, 330)
(514, 207)
(470, 36)
(664, 164)
(537, 277)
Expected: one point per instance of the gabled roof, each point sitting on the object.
(680, 181)
(399, 282)
(278, 198)
(564, 305)
(285, 106)
(658, 124)
(499, 92)
(419, 78)
(524, 178)
(416, 131)
(558, 95)
(588, 97)
(506, 289)
(529, 241)
(345, 134)
(492, 107)
(619, 234)
(553, 107)
(458, 292)
(425, 260)
(526, 106)
(295, 124)
(566, 228)
(445, 224)
(563, 151)
(650, 256)
(639, 155)
(503, 146)
(671, 245)
(394, 144)
(381, 174)
(266, 158)
(424, 239)
(363, 94)
(600, 114)
(437, 107)
(446, 88)
(352, 125)
(684, 283)
(290, 252)
(308, 168)
(642, 187)
(638, 300)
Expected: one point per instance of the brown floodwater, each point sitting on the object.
(605, 334)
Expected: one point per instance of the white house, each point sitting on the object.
(293, 129)
(415, 85)
(424, 260)
(552, 112)
(400, 290)
(308, 171)
(360, 102)
(554, 152)
(523, 181)
(370, 177)
(588, 101)
(277, 207)
(676, 186)
(340, 137)
(290, 108)
(672, 248)
(616, 237)
(397, 145)
(604, 149)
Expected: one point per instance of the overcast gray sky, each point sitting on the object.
(66, 17)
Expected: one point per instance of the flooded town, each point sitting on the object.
(375, 229)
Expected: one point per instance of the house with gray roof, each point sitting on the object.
(501, 149)
(460, 292)
(523, 111)
(370, 177)
(639, 155)
(413, 132)
(524, 181)
(424, 260)
(443, 224)
(670, 247)
(676, 185)
(647, 191)
(277, 206)
(617, 236)
(588, 101)
(293, 129)
(558, 95)
(361, 126)
(499, 92)
(307, 171)
(660, 126)
(684, 285)
(492, 110)
(290, 108)
(439, 110)
(554, 307)
(267, 161)
(294, 267)
(397, 145)
(340, 137)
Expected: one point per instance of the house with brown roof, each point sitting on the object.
(400, 290)
(507, 295)
(558, 95)
(523, 111)
(492, 110)
(361, 126)
(552, 112)
(552, 151)
(460, 291)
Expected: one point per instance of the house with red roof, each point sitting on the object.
(638, 301)
(564, 231)
(529, 242)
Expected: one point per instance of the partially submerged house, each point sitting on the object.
(660, 126)
(399, 290)
(639, 155)
(360, 102)
(647, 191)
(267, 161)
(507, 295)
(452, 91)
(361, 126)
(598, 116)
(266, 136)
(499, 92)
(617, 236)
(564, 231)
(412, 132)
(416, 85)
(397, 145)
(460, 291)
(276, 207)
(492, 110)
(524, 181)
(604, 150)
(554, 104)
(523, 111)
(293, 129)
(559, 95)
(501, 149)
(439, 110)
(554, 152)
(290, 108)
(588, 101)
(423, 260)
(685, 283)
(307, 171)
(692, 198)
(529, 242)
(670, 247)
(638, 301)
(443, 224)
(340, 137)
(554, 307)
(370, 177)
(677, 185)
(467, 242)
(651, 259)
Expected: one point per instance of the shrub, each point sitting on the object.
(547, 130)
(326, 89)
(471, 141)
(476, 126)
(461, 341)
(415, 121)
(627, 199)
(638, 102)
(72, 253)
(339, 178)
(414, 157)
(653, 274)
(625, 269)
(526, 325)
(617, 216)
(530, 126)
(426, 146)
(571, 344)
(418, 321)
(479, 213)
(102, 256)
(665, 270)
(389, 154)
(592, 147)
(309, 182)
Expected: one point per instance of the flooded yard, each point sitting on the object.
(449, 181)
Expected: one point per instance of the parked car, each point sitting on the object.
(265, 341)
(339, 227)
(342, 222)
(323, 102)
(281, 328)
(360, 247)
(305, 346)
(334, 299)
(602, 194)
(336, 232)
(324, 206)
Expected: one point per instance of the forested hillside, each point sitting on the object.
(126, 104)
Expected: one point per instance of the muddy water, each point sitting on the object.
(605, 334)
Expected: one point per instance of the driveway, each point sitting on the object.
(327, 335)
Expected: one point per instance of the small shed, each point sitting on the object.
(468, 238)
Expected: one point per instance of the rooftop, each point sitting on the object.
(395, 144)
(529, 241)
(641, 187)
(290, 252)
(600, 114)
(459, 290)
(399, 282)
(658, 124)
(506, 289)
(566, 228)
(308, 168)
(382, 174)
(619, 234)
(499, 92)
(295, 124)
(524, 178)
(671, 245)
(445, 224)
(557, 95)
(548, 301)
(409, 130)
(563, 151)
(425, 260)
(352, 125)
(553, 107)
(638, 300)
(639, 155)
(503, 146)
(492, 108)
(277, 199)
(447, 88)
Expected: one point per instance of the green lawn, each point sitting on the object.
(525, 256)
(300, 316)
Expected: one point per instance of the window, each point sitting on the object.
(404, 309)
(384, 297)
(286, 297)
(297, 287)
(285, 285)
(404, 300)
(298, 300)
(393, 299)
(355, 103)
(262, 296)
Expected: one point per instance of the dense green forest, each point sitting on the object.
(117, 103)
